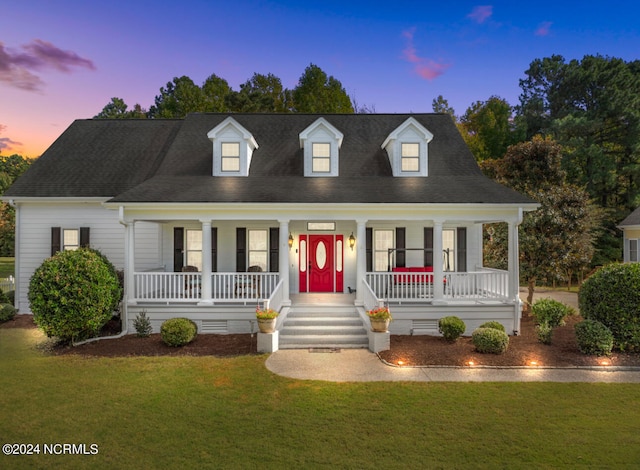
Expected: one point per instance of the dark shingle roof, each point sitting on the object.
(631, 219)
(171, 161)
(97, 158)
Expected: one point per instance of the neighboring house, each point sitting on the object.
(631, 236)
(272, 209)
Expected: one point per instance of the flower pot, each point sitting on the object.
(267, 325)
(379, 325)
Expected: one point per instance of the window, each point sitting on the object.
(193, 251)
(410, 157)
(231, 156)
(70, 239)
(321, 157)
(383, 241)
(258, 249)
(448, 250)
(321, 226)
(633, 251)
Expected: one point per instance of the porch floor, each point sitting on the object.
(322, 299)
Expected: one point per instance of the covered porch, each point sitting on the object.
(353, 253)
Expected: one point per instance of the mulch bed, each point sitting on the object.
(411, 350)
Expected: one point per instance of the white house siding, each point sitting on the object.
(33, 244)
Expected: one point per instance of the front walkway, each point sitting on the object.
(357, 365)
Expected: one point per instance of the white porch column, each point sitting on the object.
(283, 260)
(130, 261)
(438, 274)
(361, 259)
(205, 282)
(514, 269)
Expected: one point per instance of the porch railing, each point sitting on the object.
(484, 284)
(187, 286)
(276, 298)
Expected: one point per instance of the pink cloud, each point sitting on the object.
(5, 142)
(480, 13)
(543, 28)
(424, 67)
(16, 68)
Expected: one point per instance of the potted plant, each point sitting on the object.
(380, 318)
(266, 319)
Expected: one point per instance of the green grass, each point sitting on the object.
(7, 267)
(203, 412)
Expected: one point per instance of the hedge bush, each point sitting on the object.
(451, 328)
(550, 312)
(612, 296)
(490, 340)
(73, 294)
(493, 324)
(178, 331)
(594, 337)
(7, 312)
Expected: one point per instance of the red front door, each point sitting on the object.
(321, 263)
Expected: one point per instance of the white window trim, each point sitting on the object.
(321, 132)
(374, 251)
(69, 247)
(409, 132)
(265, 251)
(637, 243)
(230, 131)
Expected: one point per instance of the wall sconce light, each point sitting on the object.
(352, 241)
(290, 240)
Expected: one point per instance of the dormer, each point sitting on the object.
(408, 149)
(233, 147)
(321, 143)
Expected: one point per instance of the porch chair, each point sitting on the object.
(248, 283)
(191, 282)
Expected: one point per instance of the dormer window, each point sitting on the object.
(233, 147)
(408, 149)
(321, 157)
(230, 156)
(410, 157)
(321, 143)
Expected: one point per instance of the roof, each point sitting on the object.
(171, 161)
(631, 219)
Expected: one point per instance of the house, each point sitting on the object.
(318, 216)
(630, 227)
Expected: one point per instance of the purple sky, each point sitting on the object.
(64, 60)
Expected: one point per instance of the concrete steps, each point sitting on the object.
(328, 326)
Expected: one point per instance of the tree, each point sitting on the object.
(10, 169)
(556, 240)
(261, 94)
(117, 109)
(488, 128)
(592, 108)
(318, 93)
(179, 98)
(441, 105)
(215, 91)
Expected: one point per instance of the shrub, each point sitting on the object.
(551, 312)
(612, 296)
(4, 298)
(544, 331)
(7, 312)
(490, 340)
(594, 338)
(142, 324)
(178, 331)
(493, 324)
(451, 328)
(74, 294)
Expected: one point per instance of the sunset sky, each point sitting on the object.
(62, 60)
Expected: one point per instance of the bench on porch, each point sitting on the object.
(415, 280)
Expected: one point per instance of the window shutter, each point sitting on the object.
(178, 248)
(214, 249)
(274, 242)
(241, 249)
(55, 239)
(428, 246)
(462, 249)
(369, 232)
(401, 254)
(84, 237)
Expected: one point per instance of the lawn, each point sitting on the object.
(204, 412)
(7, 267)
